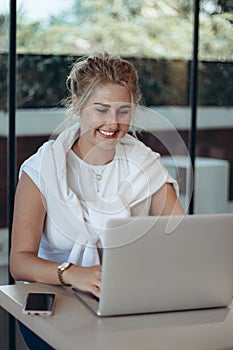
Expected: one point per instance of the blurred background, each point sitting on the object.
(157, 36)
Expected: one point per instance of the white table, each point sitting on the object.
(74, 327)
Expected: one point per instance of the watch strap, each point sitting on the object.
(60, 271)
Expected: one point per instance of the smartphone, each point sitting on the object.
(39, 304)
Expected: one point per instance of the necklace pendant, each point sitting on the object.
(98, 177)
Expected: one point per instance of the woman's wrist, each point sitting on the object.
(69, 274)
(62, 275)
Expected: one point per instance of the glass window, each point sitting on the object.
(155, 35)
(214, 177)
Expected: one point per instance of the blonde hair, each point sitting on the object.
(87, 74)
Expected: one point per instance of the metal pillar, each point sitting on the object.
(193, 97)
(11, 146)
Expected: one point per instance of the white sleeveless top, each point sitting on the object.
(80, 197)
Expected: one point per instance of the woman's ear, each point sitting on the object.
(74, 100)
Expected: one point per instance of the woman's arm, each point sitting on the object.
(27, 228)
(165, 202)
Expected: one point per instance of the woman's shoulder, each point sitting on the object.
(34, 161)
(134, 147)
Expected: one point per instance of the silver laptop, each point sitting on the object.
(157, 264)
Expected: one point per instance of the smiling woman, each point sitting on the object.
(59, 210)
(103, 91)
(93, 171)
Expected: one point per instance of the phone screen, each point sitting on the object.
(39, 302)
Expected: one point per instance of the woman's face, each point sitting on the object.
(105, 118)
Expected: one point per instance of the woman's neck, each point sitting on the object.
(94, 155)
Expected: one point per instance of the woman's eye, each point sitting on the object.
(102, 111)
(124, 112)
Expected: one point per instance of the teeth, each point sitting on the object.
(107, 133)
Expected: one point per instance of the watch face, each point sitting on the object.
(64, 265)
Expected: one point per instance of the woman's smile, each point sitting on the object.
(107, 133)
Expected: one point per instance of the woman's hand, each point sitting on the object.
(84, 278)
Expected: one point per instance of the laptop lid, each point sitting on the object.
(157, 264)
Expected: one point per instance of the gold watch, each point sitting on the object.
(61, 268)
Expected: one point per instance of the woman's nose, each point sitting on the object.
(112, 120)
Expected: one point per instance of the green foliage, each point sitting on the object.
(216, 39)
(4, 38)
(142, 28)
(41, 81)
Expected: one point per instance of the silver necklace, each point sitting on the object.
(98, 176)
